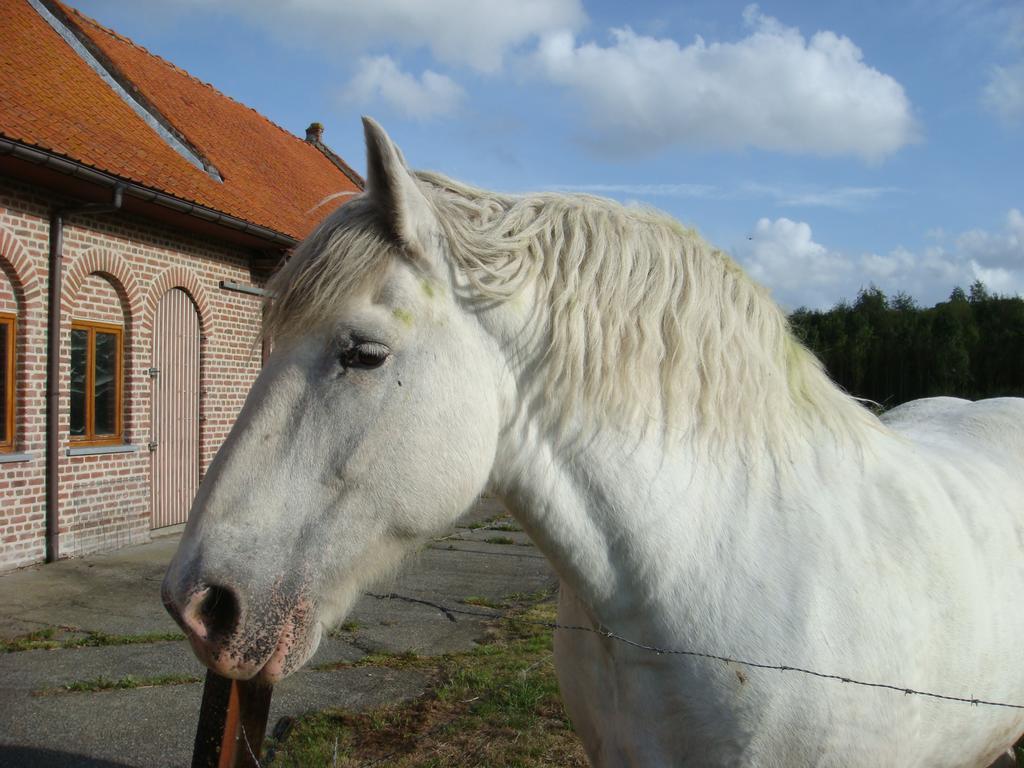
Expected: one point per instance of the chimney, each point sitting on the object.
(315, 133)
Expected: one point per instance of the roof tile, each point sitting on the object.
(53, 99)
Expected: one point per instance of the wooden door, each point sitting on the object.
(174, 446)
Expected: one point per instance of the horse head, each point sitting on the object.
(373, 424)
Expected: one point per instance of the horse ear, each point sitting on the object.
(389, 183)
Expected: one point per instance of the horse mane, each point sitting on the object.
(641, 320)
(348, 252)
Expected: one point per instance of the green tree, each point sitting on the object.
(893, 350)
(979, 293)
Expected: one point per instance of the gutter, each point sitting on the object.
(78, 170)
(56, 283)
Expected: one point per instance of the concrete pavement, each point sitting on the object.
(109, 600)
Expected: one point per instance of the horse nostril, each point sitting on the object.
(219, 611)
(212, 613)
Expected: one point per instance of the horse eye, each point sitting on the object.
(367, 354)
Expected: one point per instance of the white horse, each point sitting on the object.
(693, 476)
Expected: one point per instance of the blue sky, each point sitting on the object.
(827, 146)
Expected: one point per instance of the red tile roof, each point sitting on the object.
(52, 99)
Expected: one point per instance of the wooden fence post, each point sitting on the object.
(232, 723)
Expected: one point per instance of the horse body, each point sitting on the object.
(693, 476)
(888, 568)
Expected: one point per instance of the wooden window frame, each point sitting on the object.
(90, 438)
(11, 321)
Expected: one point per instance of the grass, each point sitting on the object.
(43, 638)
(494, 706)
(100, 639)
(494, 523)
(508, 527)
(47, 639)
(405, 660)
(499, 540)
(528, 598)
(102, 683)
(483, 602)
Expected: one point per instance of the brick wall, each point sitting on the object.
(116, 269)
(23, 246)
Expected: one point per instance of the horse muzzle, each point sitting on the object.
(263, 639)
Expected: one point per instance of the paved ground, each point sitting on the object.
(42, 724)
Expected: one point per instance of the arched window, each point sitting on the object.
(97, 373)
(97, 365)
(8, 358)
(8, 344)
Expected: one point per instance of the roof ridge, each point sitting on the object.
(185, 72)
(339, 162)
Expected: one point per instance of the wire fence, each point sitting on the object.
(450, 613)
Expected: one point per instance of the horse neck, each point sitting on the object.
(610, 512)
(628, 510)
(633, 525)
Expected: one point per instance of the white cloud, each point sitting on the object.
(476, 33)
(1004, 93)
(816, 197)
(379, 79)
(773, 89)
(644, 190)
(997, 280)
(1003, 249)
(786, 196)
(928, 276)
(783, 255)
(882, 269)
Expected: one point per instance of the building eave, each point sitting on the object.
(149, 201)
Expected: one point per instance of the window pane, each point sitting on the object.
(79, 349)
(5, 341)
(105, 410)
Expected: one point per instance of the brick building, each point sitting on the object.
(140, 213)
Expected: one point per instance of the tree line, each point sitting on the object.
(891, 350)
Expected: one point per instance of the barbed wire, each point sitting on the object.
(248, 746)
(448, 611)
